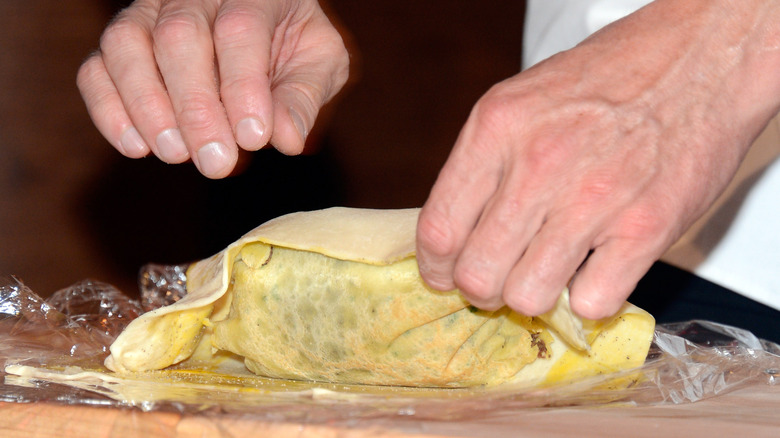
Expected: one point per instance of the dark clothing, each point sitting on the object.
(673, 295)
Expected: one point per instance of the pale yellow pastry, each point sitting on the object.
(335, 295)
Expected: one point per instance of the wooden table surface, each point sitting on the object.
(748, 412)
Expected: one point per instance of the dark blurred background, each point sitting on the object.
(72, 208)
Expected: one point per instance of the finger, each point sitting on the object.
(243, 33)
(106, 109)
(184, 51)
(129, 60)
(497, 242)
(305, 83)
(294, 114)
(609, 276)
(467, 181)
(533, 285)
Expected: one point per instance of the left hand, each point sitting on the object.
(200, 79)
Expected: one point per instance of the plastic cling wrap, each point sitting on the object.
(53, 350)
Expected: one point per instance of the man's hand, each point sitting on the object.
(199, 79)
(595, 161)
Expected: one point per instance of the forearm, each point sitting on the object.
(741, 40)
(706, 68)
(756, 57)
(672, 47)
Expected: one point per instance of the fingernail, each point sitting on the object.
(132, 144)
(298, 122)
(171, 146)
(249, 133)
(214, 159)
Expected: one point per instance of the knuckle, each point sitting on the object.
(175, 29)
(546, 155)
(233, 25)
(144, 103)
(89, 71)
(599, 189)
(513, 204)
(434, 234)
(234, 86)
(122, 31)
(495, 110)
(475, 284)
(644, 223)
(196, 113)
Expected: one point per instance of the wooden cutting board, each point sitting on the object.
(748, 412)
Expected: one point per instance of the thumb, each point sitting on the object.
(305, 83)
(294, 116)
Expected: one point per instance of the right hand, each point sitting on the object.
(596, 160)
(199, 79)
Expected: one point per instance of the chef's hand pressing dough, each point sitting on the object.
(597, 159)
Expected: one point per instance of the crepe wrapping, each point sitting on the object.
(335, 296)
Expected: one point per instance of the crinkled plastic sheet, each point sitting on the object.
(688, 361)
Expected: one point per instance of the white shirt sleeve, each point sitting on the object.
(552, 26)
